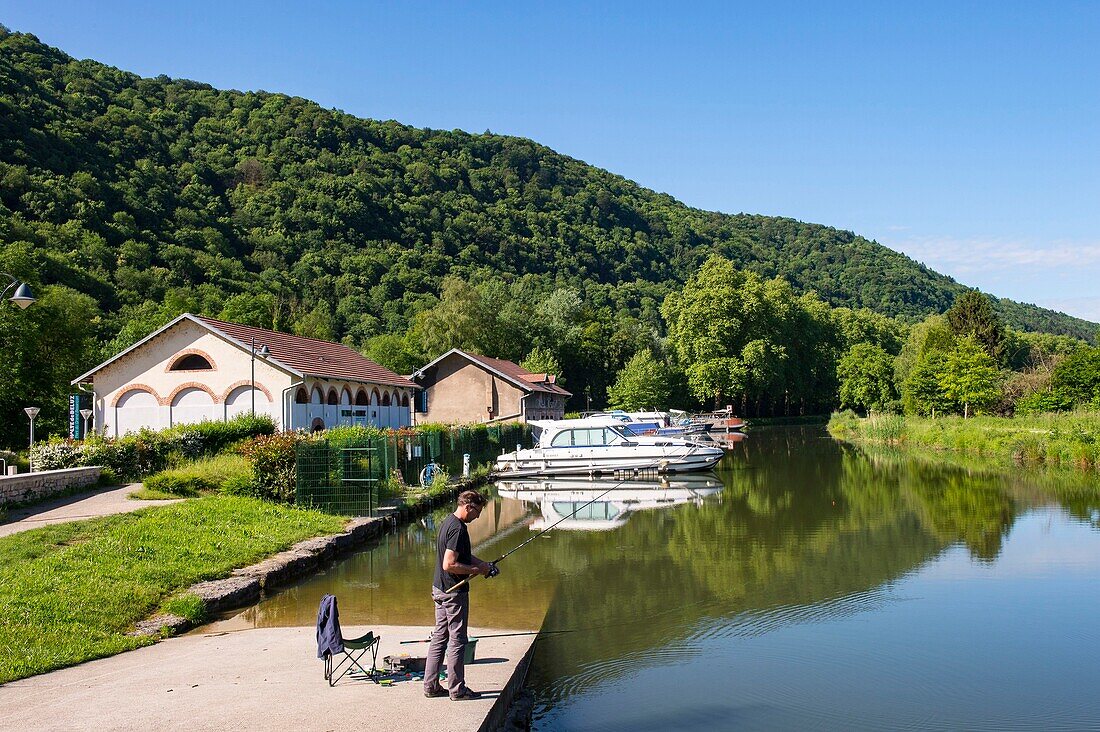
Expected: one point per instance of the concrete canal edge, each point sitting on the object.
(246, 586)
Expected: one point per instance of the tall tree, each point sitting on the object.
(643, 383)
(866, 375)
(972, 315)
(542, 361)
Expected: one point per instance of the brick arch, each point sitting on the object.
(375, 398)
(192, 385)
(245, 382)
(386, 398)
(331, 397)
(136, 387)
(361, 398)
(190, 352)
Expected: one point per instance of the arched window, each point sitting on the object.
(386, 399)
(361, 398)
(374, 397)
(333, 397)
(192, 362)
(404, 400)
(301, 396)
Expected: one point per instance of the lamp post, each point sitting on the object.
(32, 412)
(23, 297)
(262, 352)
(87, 415)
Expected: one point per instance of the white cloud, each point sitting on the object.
(962, 256)
(1081, 307)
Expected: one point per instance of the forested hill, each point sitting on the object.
(137, 191)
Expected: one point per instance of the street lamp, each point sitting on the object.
(32, 412)
(87, 415)
(23, 296)
(263, 352)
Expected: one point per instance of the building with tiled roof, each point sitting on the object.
(465, 388)
(196, 369)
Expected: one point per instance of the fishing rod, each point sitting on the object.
(498, 635)
(548, 528)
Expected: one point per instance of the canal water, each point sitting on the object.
(806, 584)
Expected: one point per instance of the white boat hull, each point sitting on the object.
(608, 460)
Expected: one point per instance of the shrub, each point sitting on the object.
(273, 463)
(54, 455)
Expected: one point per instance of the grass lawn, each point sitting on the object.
(70, 592)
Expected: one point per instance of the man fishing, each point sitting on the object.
(454, 564)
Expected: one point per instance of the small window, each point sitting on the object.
(563, 439)
(192, 362)
(301, 396)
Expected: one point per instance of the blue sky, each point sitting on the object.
(965, 135)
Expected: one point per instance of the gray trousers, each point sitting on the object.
(452, 615)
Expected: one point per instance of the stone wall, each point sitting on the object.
(28, 487)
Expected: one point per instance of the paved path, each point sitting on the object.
(264, 678)
(78, 506)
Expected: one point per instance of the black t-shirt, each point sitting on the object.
(452, 535)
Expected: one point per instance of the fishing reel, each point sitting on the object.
(494, 570)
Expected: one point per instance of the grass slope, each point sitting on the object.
(69, 593)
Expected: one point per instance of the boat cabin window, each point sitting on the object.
(593, 436)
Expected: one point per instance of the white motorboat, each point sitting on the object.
(570, 499)
(603, 445)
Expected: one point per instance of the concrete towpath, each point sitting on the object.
(89, 504)
(264, 678)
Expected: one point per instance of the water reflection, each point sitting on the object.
(810, 584)
(581, 504)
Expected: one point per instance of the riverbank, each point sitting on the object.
(1062, 439)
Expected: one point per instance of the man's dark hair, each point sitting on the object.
(472, 498)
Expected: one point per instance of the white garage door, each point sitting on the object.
(193, 405)
(240, 402)
(136, 409)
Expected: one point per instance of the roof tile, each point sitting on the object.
(312, 356)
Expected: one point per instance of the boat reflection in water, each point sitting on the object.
(571, 499)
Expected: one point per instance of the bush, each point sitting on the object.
(273, 462)
(202, 476)
(137, 455)
(54, 455)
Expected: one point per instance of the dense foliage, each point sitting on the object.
(151, 197)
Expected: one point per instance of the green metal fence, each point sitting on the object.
(355, 476)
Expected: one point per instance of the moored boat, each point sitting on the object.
(603, 445)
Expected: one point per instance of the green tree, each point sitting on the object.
(395, 352)
(972, 315)
(1076, 380)
(922, 391)
(643, 383)
(248, 309)
(970, 377)
(542, 361)
(866, 375)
